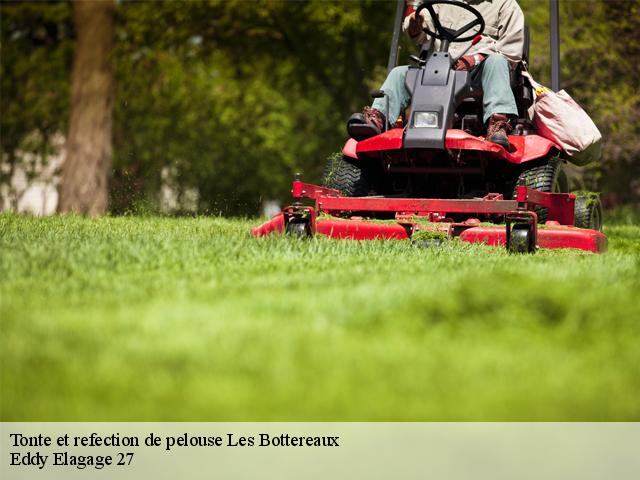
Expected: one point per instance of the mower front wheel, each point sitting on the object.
(340, 173)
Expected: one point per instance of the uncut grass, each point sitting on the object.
(192, 319)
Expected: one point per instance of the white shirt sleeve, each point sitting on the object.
(511, 32)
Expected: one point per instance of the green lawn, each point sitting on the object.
(192, 319)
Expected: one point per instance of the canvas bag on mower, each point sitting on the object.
(559, 118)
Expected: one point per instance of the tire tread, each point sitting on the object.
(542, 178)
(341, 174)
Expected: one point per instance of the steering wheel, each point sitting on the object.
(444, 33)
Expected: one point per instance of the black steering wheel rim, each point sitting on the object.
(446, 34)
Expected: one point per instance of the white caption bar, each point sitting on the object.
(321, 450)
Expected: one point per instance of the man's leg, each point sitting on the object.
(496, 85)
(498, 101)
(396, 89)
(371, 122)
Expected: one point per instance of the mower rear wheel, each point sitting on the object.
(588, 211)
(549, 178)
(342, 174)
(520, 239)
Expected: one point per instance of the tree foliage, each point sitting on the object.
(35, 61)
(231, 98)
(600, 68)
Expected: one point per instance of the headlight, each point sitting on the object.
(425, 120)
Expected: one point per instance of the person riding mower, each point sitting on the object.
(491, 62)
(433, 173)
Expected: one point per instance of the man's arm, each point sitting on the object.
(509, 41)
(511, 28)
(413, 27)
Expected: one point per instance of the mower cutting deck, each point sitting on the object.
(428, 221)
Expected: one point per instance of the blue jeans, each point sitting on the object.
(496, 85)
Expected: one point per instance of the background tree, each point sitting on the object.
(36, 53)
(600, 68)
(86, 169)
(234, 97)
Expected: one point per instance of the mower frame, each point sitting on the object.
(413, 215)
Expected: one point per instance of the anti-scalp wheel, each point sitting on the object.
(521, 239)
(298, 229)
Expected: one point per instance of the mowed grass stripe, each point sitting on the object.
(145, 318)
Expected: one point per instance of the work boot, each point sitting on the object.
(498, 129)
(367, 124)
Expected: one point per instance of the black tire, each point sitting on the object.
(549, 178)
(343, 175)
(588, 211)
(520, 240)
(298, 229)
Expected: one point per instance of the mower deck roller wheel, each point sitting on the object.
(429, 243)
(343, 175)
(549, 178)
(298, 229)
(520, 239)
(588, 211)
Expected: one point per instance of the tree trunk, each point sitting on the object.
(85, 173)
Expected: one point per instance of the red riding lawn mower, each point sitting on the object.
(434, 177)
